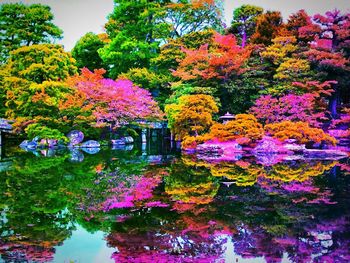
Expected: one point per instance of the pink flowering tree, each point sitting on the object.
(268, 109)
(116, 102)
(329, 40)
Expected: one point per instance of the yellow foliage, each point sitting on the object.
(300, 131)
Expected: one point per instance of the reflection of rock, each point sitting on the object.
(75, 137)
(92, 150)
(269, 159)
(76, 155)
(90, 144)
(325, 154)
(48, 152)
(123, 147)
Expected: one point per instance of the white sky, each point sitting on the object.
(77, 17)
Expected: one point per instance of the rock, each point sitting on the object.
(118, 142)
(92, 150)
(52, 142)
(90, 144)
(5, 125)
(75, 137)
(36, 139)
(32, 145)
(295, 147)
(209, 148)
(129, 139)
(24, 144)
(270, 145)
(290, 141)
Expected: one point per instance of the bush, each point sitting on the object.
(300, 131)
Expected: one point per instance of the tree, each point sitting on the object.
(296, 21)
(134, 35)
(268, 109)
(115, 102)
(329, 52)
(268, 26)
(85, 51)
(32, 81)
(191, 115)
(243, 126)
(244, 22)
(218, 62)
(188, 16)
(300, 131)
(22, 25)
(287, 65)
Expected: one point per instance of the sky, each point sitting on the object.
(77, 17)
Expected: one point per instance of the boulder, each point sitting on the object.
(32, 145)
(295, 147)
(90, 144)
(75, 137)
(24, 144)
(270, 145)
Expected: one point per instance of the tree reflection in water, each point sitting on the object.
(180, 211)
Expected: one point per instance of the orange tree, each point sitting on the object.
(300, 131)
(191, 115)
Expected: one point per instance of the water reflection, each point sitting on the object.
(167, 208)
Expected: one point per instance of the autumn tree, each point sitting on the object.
(287, 65)
(217, 62)
(191, 115)
(296, 21)
(114, 102)
(244, 22)
(85, 51)
(268, 109)
(268, 26)
(300, 131)
(244, 126)
(329, 51)
(22, 25)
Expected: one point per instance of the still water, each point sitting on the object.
(155, 205)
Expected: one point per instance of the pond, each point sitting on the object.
(155, 205)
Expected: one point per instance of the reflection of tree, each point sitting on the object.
(300, 171)
(165, 237)
(190, 182)
(241, 176)
(33, 207)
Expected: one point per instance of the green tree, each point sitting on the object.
(133, 33)
(244, 22)
(85, 51)
(32, 81)
(22, 25)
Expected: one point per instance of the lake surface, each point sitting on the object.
(154, 205)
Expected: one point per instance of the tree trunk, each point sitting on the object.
(333, 103)
(244, 38)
